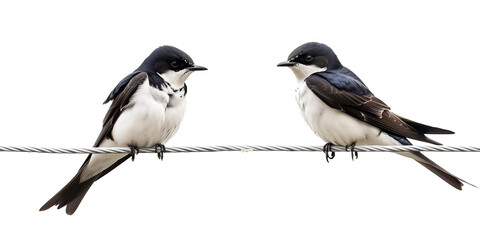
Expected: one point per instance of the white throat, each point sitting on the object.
(303, 71)
(176, 79)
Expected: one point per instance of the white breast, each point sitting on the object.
(173, 115)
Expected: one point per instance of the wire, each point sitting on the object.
(243, 148)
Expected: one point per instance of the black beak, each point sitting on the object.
(286, 64)
(197, 68)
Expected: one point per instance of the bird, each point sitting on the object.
(341, 110)
(147, 108)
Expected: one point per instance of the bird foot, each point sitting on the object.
(327, 149)
(133, 151)
(352, 150)
(160, 150)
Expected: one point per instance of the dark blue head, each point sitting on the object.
(313, 53)
(311, 58)
(171, 64)
(167, 58)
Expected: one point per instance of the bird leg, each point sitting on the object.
(352, 150)
(327, 148)
(160, 150)
(133, 151)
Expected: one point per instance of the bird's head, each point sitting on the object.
(310, 58)
(170, 63)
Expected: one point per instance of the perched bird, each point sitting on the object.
(148, 106)
(341, 110)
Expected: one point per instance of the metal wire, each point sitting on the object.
(243, 148)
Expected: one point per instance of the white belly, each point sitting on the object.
(147, 122)
(142, 124)
(334, 126)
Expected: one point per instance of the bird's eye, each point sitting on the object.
(308, 58)
(174, 63)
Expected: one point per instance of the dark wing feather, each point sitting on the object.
(367, 108)
(120, 86)
(425, 128)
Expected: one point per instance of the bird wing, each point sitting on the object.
(120, 86)
(120, 102)
(366, 107)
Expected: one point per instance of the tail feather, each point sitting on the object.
(70, 195)
(451, 179)
(440, 172)
(73, 204)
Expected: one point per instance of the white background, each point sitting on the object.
(60, 60)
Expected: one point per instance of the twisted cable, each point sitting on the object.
(242, 148)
